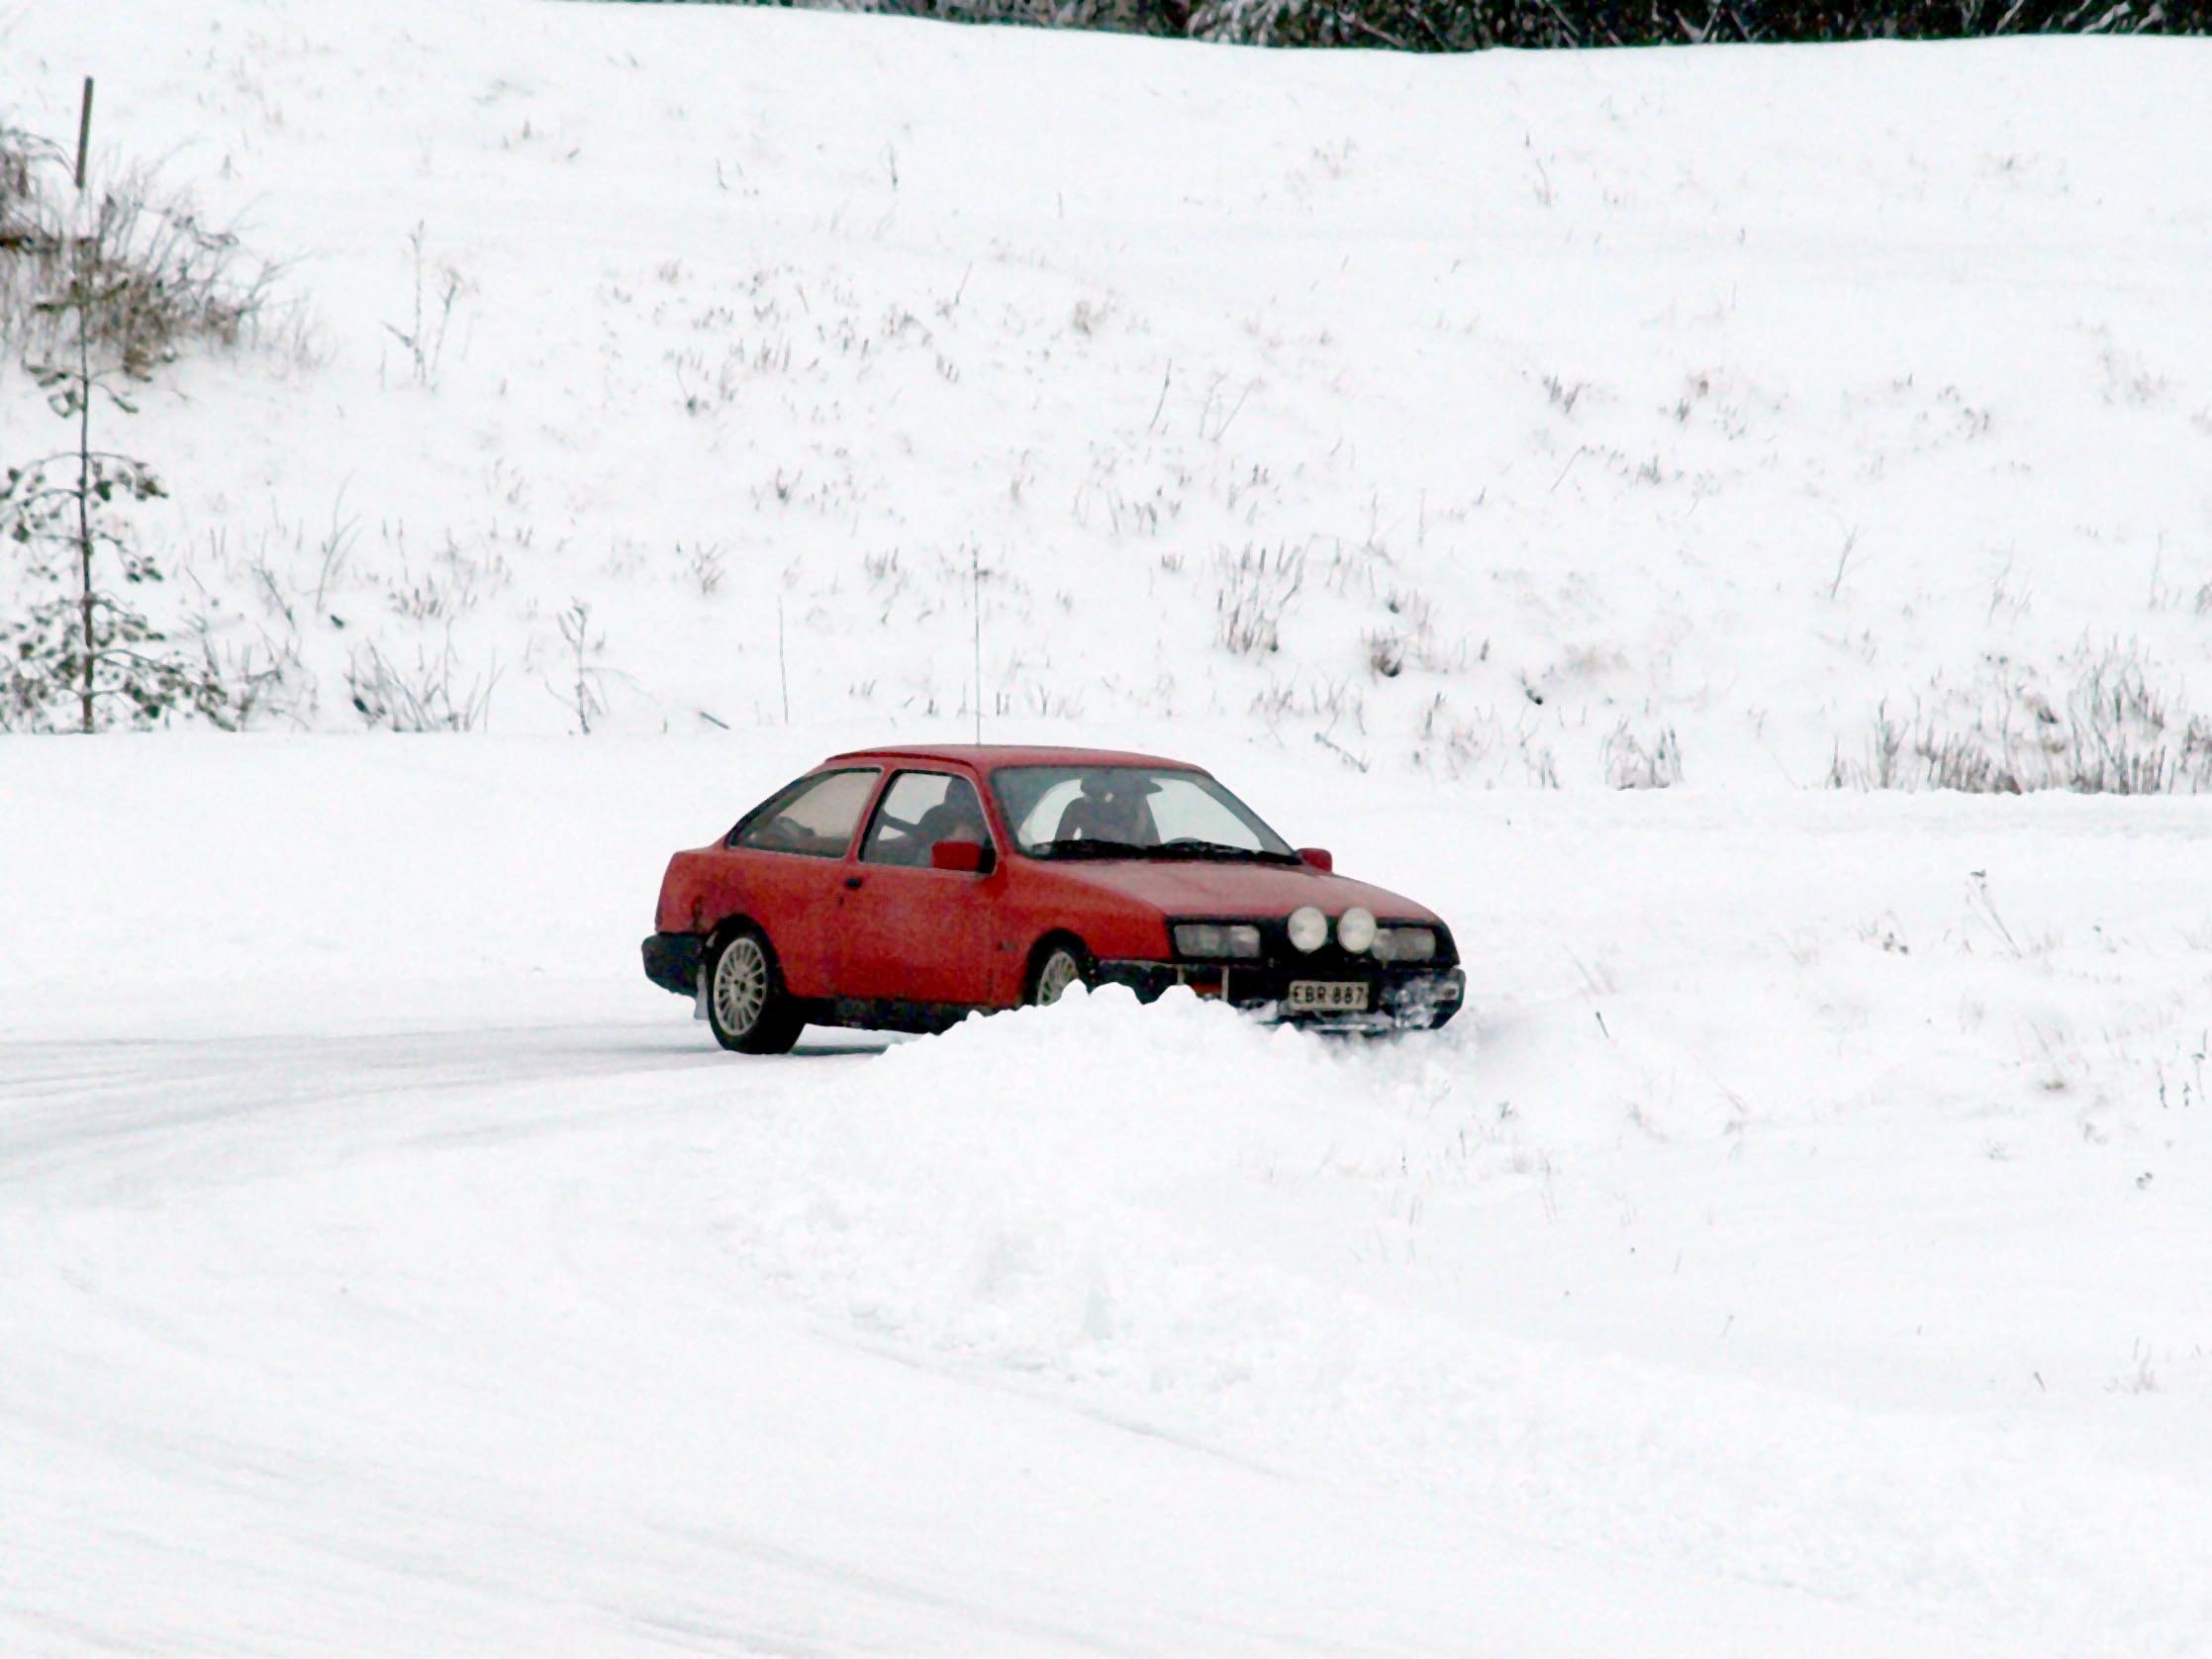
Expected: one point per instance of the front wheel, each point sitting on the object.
(747, 1005)
(1058, 968)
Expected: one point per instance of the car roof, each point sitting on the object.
(989, 757)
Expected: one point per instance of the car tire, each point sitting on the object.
(1060, 963)
(747, 1007)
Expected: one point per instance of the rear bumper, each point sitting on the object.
(1399, 999)
(672, 961)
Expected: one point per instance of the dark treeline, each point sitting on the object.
(1471, 25)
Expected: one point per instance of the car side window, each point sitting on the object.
(919, 810)
(815, 816)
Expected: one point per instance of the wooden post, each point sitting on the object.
(86, 687)
(84, 134)
(783, 668)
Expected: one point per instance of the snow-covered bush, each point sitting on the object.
(1137, 17)
(1258, 585)
(165, 279)
(430, 696)
(1471, 25)
(1632, 763)
(99, 289)
(2112, 731)
(82, 655)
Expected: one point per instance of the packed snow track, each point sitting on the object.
(434, 1341)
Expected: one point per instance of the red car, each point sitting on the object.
(902, 889)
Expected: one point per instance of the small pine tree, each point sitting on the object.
(87, 644)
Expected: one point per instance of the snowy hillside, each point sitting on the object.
(1499, 416)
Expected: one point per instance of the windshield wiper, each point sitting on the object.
(1086, 848)
(1192, 849)
(1219, 851)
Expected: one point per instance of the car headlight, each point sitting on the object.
(1355, 929)
(1405, 944)
(1309, 929)
(1216, 939)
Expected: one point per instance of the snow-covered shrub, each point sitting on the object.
(1480, 748)
(438, 286)
(582, 687)
(165, 279)
(100, 288)
(1410, 641)
(1630, 763)
(424, 698)
(84, 655)
(1137, 17)
(2112, 733)
(1257, 587)
(1467, 25)
(1385, 654)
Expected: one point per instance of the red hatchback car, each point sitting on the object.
(902, 889)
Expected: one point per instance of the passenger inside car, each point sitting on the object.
(958, 818)
(919, 811)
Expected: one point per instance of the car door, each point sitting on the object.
(911, 933)
(788, 860)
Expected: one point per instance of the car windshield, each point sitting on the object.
(1130, 812)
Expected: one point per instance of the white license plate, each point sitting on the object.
(1331, 994)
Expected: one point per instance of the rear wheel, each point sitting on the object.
(747, 1005)
(1059, 966)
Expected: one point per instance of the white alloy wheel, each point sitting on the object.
(740, 985)
(1060, 970)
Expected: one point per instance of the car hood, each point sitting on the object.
(1226, 890)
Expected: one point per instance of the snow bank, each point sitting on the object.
(1065, 1194)
(1013, 1190)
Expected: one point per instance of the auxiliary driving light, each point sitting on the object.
(1355, 929)
(1309, 929)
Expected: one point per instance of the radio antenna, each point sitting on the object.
(975, 604)
(84, 135)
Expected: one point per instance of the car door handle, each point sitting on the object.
(854, 882)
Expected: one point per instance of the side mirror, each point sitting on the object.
(1318, 857)
(966, 857)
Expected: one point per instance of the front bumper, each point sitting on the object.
(1409, 998)
(672, 961)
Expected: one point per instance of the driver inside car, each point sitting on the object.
(1110, 809)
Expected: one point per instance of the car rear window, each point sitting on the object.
(815, 816)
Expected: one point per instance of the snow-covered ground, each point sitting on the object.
(1803, 1245)
(1800, 1247)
